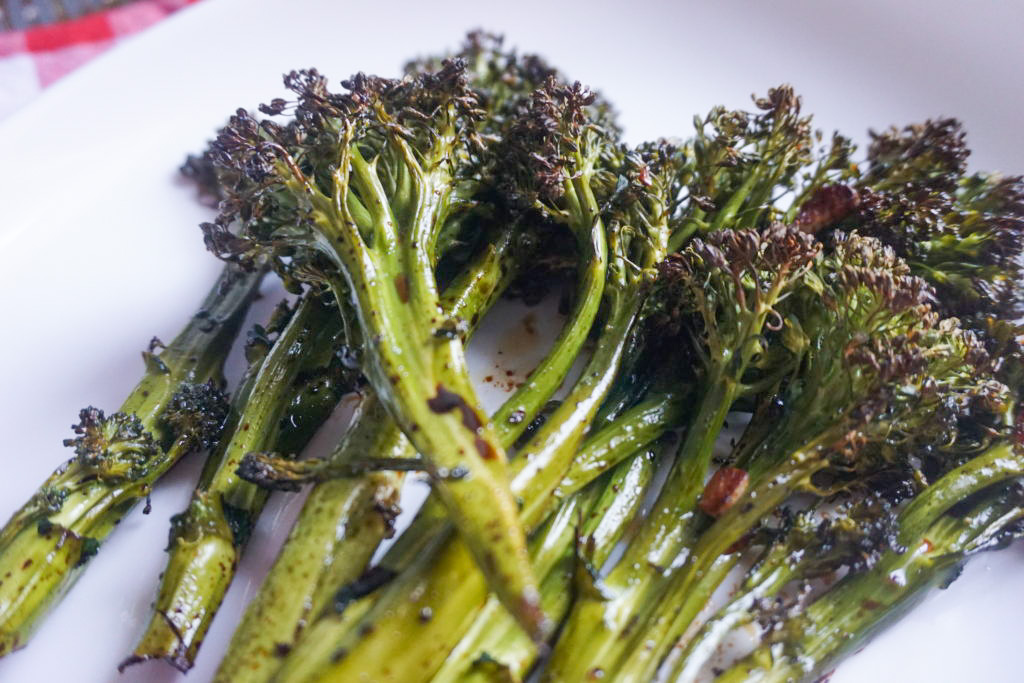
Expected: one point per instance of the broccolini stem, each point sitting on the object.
(542, 463)
(208, 538)
(476, 289)
(420, 373)
(999, 462)
(648, 421)
(594, 634)
(343, 520)
(119, 458)
(624, 291)
(341, 524)
(432, 577)
(495, 640)
(511, 419)
(539, 470)
(634, 430)
(672, 526)
(763, 582)
(687, 591)
(724, 217)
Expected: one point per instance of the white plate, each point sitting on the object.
(100, 249)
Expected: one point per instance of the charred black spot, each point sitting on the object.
(371, 580)
(446, 401)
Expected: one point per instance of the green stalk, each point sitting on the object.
(646, 600)
(525, 404)
(516, 413)
(724, 216)
(999, 462)
(494, 640)
(496, 649)
(648, 421)
(549, 546)
(765, 580)
(844, 618)
(338, 530)
(436, 580)
(600, 631)
(208, 538)
(419, 374)
(550, 452)
(446, 592)
(511, 419)
(50, 539)
(543, 462)
(687, 591)
(671, 526)
(341, 523)
(597, 628)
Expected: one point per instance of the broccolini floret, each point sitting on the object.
(176, 408)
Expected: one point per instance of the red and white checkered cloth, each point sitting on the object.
(32, 59)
